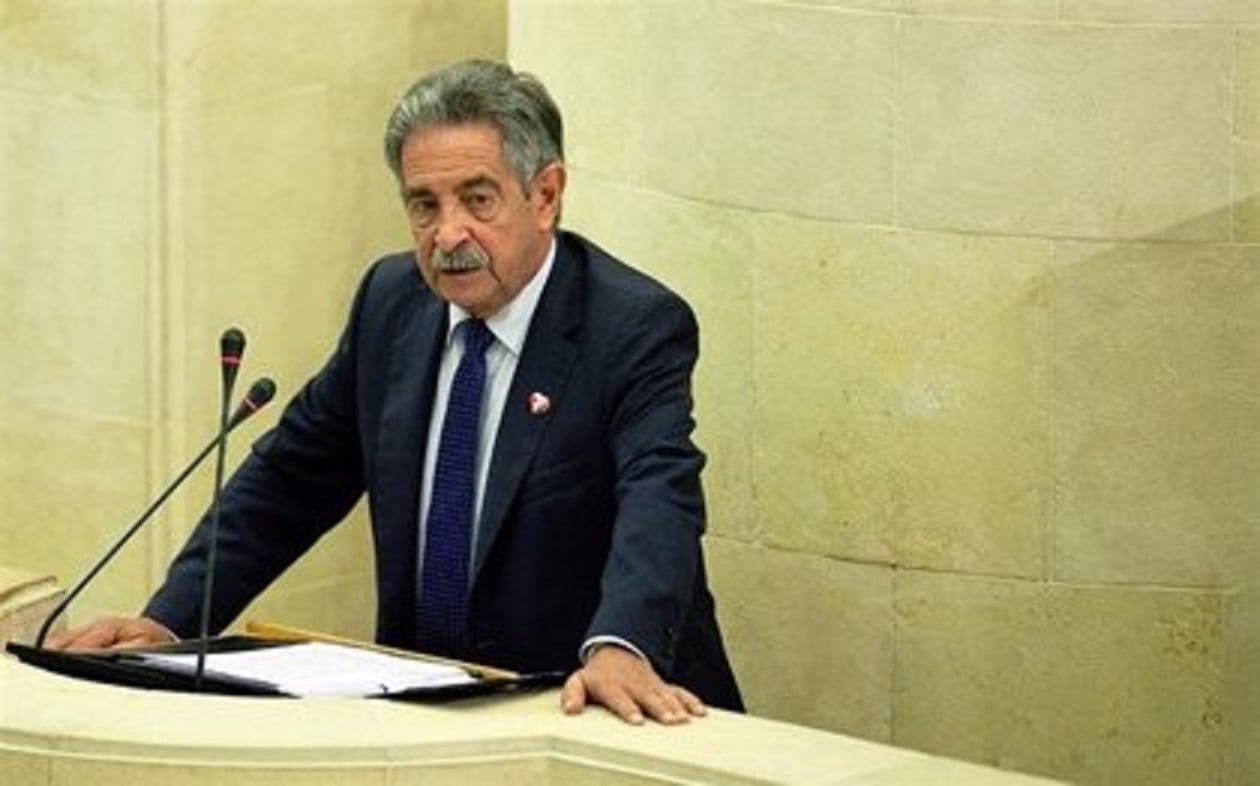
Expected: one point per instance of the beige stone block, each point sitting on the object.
(1244, 10)
(1247, 86)
(738, 127)
(702, 252)
(917, 773)
(1161, 11)
(1089, 684)
(70, 771)
(274, 235)
(1247, 190)
(1074, 130)
(70, 486)
(71, 49)
(1156, 443)
(725, 117)
(1242, 679)
(1145, 11)
(971, 440)
(901, 395)
(983, 9)
(1247, 137)
(607, 104)
(534, 770)
(824, 411)
(21, 767)
(229, 51)
(568, 772)
(810, 638)
(845, 5)
(77, 215)
(525, 770)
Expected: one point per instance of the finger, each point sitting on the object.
(663, 706)
(610, 694)
(61, 639)
(109, 633)
(573, 696)
(623, 706)
(95, 636)
(690, 701)
(142, 633)
(137, 640)
(70, 637)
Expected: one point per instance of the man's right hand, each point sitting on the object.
(111, 633)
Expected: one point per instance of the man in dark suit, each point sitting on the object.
(517, 406)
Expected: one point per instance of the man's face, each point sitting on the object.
(479, 236)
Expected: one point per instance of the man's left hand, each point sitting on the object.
(629, 687)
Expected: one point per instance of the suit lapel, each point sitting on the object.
(545, 363)
(404, 424)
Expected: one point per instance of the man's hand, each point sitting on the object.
(111, 633)
(629, 687)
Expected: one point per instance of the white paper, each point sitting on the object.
(319, 669)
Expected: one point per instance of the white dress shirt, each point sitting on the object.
(510, 326)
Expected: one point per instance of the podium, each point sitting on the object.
(57, 730)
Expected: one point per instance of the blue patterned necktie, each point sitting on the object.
(443, 603)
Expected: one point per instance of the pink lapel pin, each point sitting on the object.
(539, 404)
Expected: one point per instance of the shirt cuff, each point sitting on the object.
(595, 642)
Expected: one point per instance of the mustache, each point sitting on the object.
(459, 259)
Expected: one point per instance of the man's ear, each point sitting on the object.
(549, 194)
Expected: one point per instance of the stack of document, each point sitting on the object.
(318, 669)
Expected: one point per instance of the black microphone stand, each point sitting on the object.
(232, 346)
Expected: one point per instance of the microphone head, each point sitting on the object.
(261, 392)
(232, 346)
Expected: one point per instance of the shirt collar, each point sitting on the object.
(510, 324)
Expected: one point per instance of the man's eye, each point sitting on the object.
(422, 211)
(480, 203)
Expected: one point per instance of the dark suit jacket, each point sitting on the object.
(593, 511)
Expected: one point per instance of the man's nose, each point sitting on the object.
(451, 229)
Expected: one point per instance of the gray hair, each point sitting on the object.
(481, 91)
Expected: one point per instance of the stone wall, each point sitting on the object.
(979, 287)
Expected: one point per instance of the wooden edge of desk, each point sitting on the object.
(278, 632)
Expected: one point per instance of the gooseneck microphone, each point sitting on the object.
(231, 348)
(259, 394)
